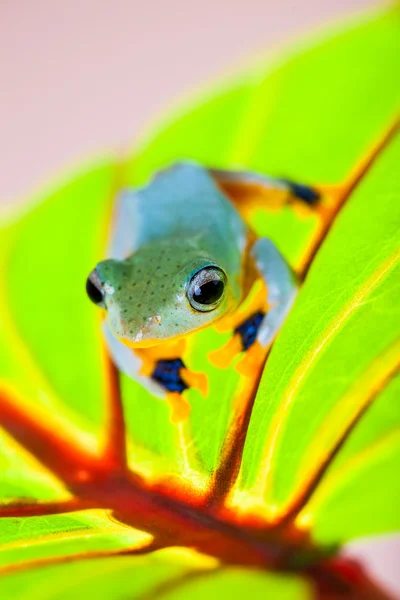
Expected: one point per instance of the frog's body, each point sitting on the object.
(181, 258)
(165, 233)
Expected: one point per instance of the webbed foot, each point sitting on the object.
(175, 378)
(244, 337)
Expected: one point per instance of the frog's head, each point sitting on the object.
(163, 291)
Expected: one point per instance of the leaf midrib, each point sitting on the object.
(303, 371)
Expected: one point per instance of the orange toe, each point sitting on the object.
(198, 381)
(252, 361)
(180, 407)
(223, 357)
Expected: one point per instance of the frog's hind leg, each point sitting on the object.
(248, 191)
(165, 378)
(130, 362)
(251, 192)
(161, 370)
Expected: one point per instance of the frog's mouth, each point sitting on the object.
(141, 339)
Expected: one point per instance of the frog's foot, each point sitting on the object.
(304, 193)
(244, 337)
(175, 378)
(180, 407)
(197, 381)
(305, 199)
(252, 361)
(223, 357)
(167, 373)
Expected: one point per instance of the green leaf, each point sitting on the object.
(49, 537)
(44, 261)
(360, 493)
(175, 573)
(22, 476)
(338, 346)
(91, 466)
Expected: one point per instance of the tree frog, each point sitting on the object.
(183, 257)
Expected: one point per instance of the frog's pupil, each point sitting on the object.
(209, 292)
(93, 292)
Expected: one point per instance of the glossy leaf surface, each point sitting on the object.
(336, 351)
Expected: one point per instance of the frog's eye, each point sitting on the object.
(206, 288)
(94, 289)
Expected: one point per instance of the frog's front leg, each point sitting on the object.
(160, 369)
(168, 373)
(281, 285)
(282, 288)
(174, 378)
(258, 330)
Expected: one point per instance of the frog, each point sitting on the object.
(182, 256)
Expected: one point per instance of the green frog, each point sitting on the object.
(183, 257)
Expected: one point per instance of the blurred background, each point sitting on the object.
(80, 78)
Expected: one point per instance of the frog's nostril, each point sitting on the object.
(94, 289)
(156, 319)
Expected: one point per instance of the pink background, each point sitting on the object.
(79, 77)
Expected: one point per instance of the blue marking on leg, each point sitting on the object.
(167, 374)
(249, 329)
(303, 192)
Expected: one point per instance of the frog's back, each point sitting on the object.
(181, 202)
